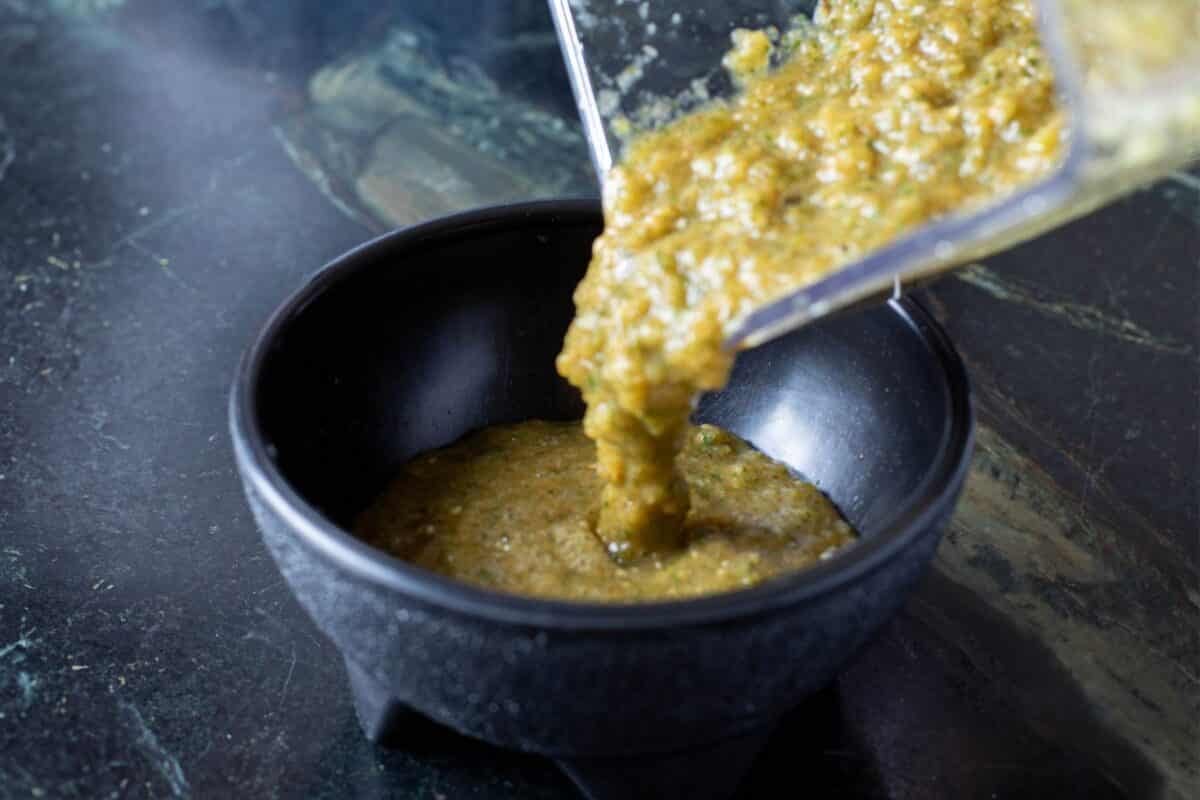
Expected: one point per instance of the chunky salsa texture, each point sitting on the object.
(883, 114)
(513, 508)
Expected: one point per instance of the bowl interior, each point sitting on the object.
(420, 337)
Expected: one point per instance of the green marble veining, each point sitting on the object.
(160, 759)
(392, 136)
(1033, 552)
(1081, 315)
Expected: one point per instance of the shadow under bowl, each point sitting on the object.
(414, 339)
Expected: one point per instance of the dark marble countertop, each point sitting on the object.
(169, 172)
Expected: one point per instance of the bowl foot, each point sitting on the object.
(713, 772)
(379, 714)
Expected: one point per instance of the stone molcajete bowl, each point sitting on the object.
(420, 336)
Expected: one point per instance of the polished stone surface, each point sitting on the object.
(168, 172)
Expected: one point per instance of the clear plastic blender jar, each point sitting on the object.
(1128, 73)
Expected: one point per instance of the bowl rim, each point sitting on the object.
(259, 471)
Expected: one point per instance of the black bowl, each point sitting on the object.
(418, 337)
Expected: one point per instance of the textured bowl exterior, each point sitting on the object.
(579, 681)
